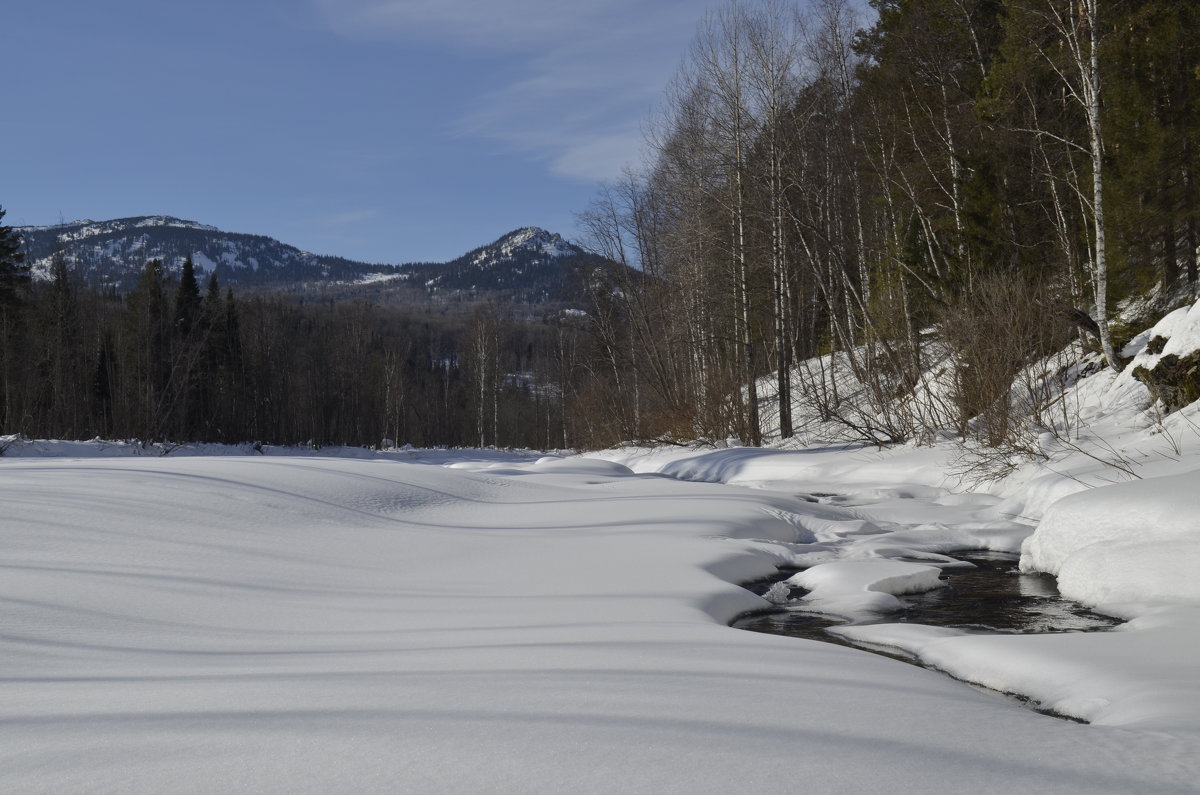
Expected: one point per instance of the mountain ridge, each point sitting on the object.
(529, 264)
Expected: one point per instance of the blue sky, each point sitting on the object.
(381, 130)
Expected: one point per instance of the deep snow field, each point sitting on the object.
(445, 621)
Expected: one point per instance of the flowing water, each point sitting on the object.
(992, 596)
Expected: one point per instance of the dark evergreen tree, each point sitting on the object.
(1153, 105)
(14, 271)
(14, 283)
(187, 300)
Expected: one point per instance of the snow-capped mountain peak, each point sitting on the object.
(529, 264)
(528, 242)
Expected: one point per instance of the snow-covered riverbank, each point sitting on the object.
(317, 624)
(1108, 504)
(1128, 549)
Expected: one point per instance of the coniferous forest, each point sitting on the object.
(989, 179)
(172, 360)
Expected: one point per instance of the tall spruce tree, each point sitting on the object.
(187, 300)
(14, 271)
(14, 284)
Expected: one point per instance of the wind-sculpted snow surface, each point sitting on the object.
(317, 625)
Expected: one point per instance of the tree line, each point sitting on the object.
(174, 361)
(983, 180)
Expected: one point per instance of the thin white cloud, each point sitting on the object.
(590, 72)
(599, 157)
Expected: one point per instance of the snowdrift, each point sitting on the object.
(1127, 543)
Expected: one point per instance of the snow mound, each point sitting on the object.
(580, 466)
(1126, 543)
(853, 587)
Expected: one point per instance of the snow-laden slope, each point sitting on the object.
(317, 624)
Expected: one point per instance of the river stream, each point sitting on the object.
(990, 596)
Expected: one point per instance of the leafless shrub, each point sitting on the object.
(994, 334)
